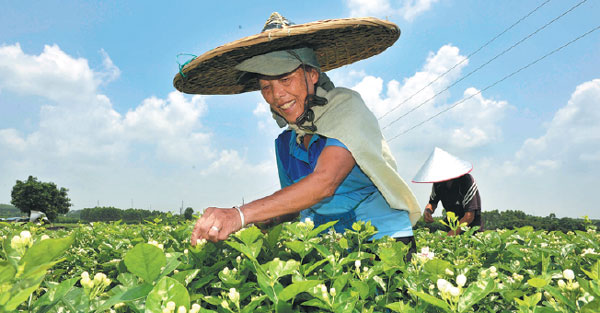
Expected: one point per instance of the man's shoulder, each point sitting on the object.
(342, 92)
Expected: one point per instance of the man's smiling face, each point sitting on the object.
(286, 93)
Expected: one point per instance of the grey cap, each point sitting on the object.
(279, 62)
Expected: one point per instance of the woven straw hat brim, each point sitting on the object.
(336, 43)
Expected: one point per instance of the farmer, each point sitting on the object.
(332, 159)
(454, 186)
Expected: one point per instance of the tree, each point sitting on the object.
(189, 213)
(33, 195)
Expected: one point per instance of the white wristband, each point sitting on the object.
(241, 215)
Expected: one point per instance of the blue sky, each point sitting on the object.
(87, 101)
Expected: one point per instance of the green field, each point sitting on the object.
(111, 267)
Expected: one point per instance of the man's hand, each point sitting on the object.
(216, 224)
(427, 214)
(454, 233)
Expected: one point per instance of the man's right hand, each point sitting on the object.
(427, 214)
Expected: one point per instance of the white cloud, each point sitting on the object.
(470, 124)
(573, 135)
(407, 9)
(362, 8)
(157, 151)
(52, 74)
(413, 8)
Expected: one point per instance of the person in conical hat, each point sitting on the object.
(454, 186)
(332, 159)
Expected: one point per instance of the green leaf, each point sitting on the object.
(594, 273)
(44, 252)
(251, 251)
(167, 289)
(7, 271)
(313, 233)
(394, 255)
(400, 307)
(186, 277)
(278, 268)
(253, 304)
(272, 237)
(437, 267)
(361, 287)
(592, 307)
(172, 264)
(474, 293)
(300, 247)
(316, 303)
(537, 282)
(340, 282)
(145, 260)
(294, 289)
(54, 295)
(558, 295)
(431, 300)
(22, 294)
(313, 266)
(249, 235)
(131, 294)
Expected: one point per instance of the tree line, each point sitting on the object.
(108, 214)
(511, 219)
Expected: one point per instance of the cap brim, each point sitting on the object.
(336, 43)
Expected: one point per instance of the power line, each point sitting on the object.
(466, 58)
(497, 82)
(486, 63)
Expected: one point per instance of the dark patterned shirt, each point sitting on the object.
(462, 196)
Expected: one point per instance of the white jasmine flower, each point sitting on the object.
(195, 308)
(44, 237)
(449, 272)
(234, 295)
(225, 304)
(568, 274)
(181, 309)
(357, 264)
(454, 291)
(171, 306)
(25, 234)
(461, 280)
(561, 284)
(443, 284)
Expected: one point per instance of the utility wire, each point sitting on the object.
(497, 82)
(486, 63)
(465, 59)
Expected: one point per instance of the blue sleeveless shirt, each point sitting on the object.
(356, 198)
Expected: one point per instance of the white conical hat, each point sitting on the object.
(441, 166)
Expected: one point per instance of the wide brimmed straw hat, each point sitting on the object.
(441, 166)
(336, 42)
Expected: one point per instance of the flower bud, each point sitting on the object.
(568, 274)
(461, 280)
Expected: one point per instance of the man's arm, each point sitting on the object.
(431, 206)
(333, 165)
